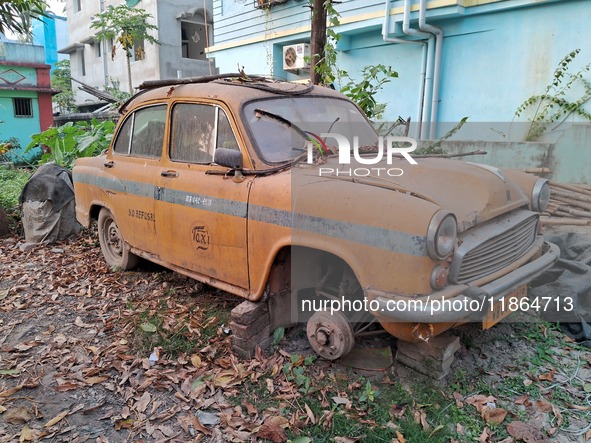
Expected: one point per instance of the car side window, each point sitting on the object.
(121, 145)
(226, 137)
(197, 130)
(148, 131)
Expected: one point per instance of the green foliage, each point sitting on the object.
(278, 335)
(435, 148)
(552, 104)
(116, 92)
(128, 27)
(373, 77)
(153, 332)
(369, 394)
(296, 370)
(64, 144)
(363, 92)
(125, 25)
(16, 15)
(12, 182)
(61, 80)
(6, 146)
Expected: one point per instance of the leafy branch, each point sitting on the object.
(129, 28)
(552, 104)
(363, 92)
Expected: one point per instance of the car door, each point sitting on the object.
(136, 163)
(201, 216)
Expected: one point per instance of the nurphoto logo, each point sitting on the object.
(389, 147)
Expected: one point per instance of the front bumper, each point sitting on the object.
(460, 303)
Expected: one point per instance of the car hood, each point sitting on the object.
(474, 193)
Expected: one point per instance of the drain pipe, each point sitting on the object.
(386, 38)
(438, 32)
(428, 84)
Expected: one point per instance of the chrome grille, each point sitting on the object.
(490, 247)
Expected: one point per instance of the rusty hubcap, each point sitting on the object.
(330, 335)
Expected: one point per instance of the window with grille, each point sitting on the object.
(23, 107)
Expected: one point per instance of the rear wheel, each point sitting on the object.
(113, 246)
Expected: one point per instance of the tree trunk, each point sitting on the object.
(317, 39)
(128, 57)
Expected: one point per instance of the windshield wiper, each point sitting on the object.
(283, 120)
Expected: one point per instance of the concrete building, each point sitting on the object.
(25, 93)
(479, 59)
(51, 32)
(184, 30)
(475, 58)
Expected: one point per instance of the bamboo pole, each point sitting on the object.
(564, 221)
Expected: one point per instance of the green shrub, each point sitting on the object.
(64, 144)
(12, 182)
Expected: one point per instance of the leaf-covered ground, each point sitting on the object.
(91, 354)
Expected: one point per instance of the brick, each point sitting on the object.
(428, 365)
(249, 353)
(247, 312)
(251, 342)
(4, 225)
(249, 330)
(432, 358)
(440, 347)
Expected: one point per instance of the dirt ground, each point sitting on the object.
(74, 368)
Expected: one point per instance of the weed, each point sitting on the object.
(552, 105)
(369, 394)
(295, 370)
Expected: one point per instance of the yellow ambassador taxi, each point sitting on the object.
(244, 184)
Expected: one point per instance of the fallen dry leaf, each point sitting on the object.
(143, 402)
(17, 416)
(95, 380)
(272, 432)
(78, 322)
(479, 401)
(558, 415)
(26, 435)
(525, 432)
(493, 415)
(56, 419)
(548, 376)
(11, 391)
(543, 405)
(485, 436)
(310, 414)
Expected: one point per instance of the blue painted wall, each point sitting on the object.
(20, 128)
(496, 54)
(52, 33)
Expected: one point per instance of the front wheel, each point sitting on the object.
(113, 246)
(331, 335)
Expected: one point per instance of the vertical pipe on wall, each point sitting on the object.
(386, 38)
(428, 85)
(438, 32)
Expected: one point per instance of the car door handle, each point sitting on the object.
(109, 164)
(169, 174)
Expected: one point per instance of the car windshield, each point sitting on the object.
(279, 125)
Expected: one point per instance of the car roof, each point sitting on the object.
(231, 89)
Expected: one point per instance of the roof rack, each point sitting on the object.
(150, 84)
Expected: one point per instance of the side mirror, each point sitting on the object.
(230, 158)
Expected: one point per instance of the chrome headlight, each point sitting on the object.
(540, 195)
(442, 234)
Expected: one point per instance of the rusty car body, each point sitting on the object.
(209, 178)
